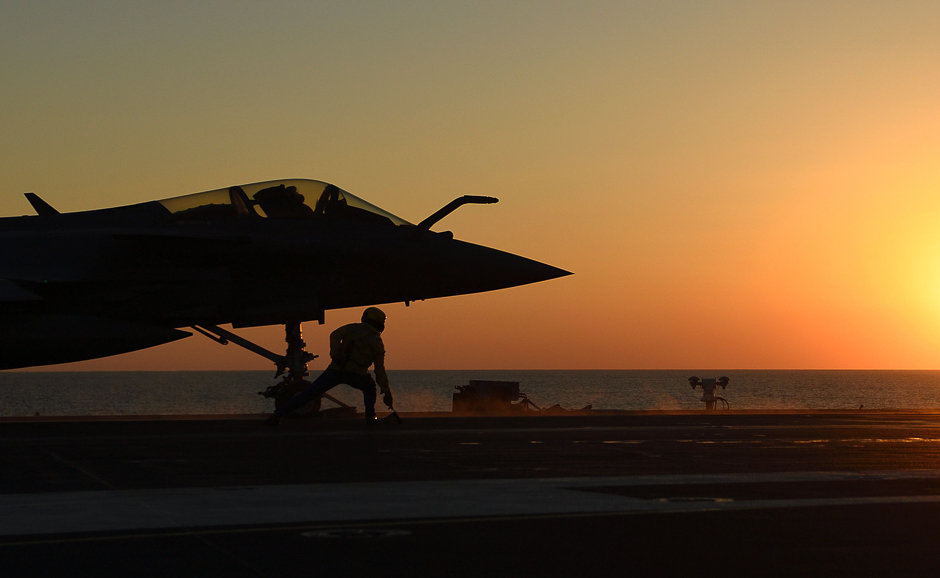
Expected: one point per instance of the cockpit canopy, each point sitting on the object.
(287, 199)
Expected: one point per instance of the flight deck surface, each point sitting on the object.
(848, 493)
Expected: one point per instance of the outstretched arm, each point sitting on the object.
(381, 377)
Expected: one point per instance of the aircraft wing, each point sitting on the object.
(46, 339)
(11, 292)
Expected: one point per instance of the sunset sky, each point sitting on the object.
(733, 184)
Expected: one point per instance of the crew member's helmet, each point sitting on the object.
(375, 317)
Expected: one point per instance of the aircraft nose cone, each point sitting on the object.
(522, 271)
(483, 269)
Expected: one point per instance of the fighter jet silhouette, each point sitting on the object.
(90, 284)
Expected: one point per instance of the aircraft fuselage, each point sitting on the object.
(129, 276)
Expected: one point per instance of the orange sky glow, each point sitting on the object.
(733, 184)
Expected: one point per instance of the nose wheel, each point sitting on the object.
(291, 367)
(293, 382)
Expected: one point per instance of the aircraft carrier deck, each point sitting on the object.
(659, 494)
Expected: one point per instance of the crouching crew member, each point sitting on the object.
(353, 349)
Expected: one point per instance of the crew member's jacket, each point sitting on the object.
(357, 346)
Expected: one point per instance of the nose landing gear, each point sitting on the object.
(295, 363)
(291, 367)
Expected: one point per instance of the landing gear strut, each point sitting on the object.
(295, 362)
(292, 366)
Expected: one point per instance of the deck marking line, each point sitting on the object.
(183, 508)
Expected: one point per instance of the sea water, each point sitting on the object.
(235, 392)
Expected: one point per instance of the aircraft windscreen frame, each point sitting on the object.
(281, 199)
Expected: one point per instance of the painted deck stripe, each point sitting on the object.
(180, 508)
